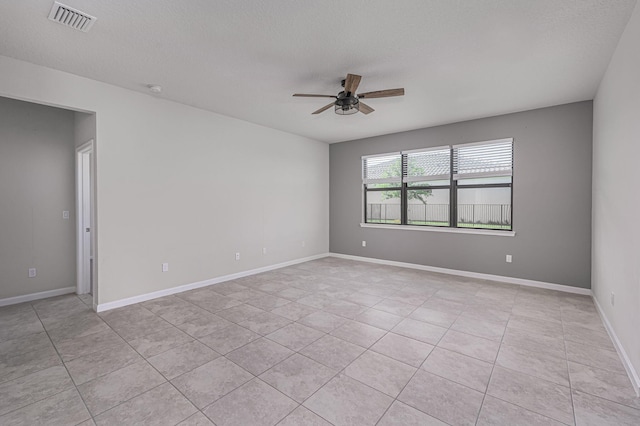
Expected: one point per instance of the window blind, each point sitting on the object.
(427, 164)
(385, 168)
(483, 159)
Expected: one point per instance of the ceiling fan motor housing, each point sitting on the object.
(346, 105)
(346, 101)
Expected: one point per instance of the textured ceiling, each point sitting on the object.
(457, 60)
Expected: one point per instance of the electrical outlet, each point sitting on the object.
(509, 258)
(364, 243)
(264, 250)
(304, 244)
(613, 299)
(165, 267)
(32, 272)
(237, 256)
(65, 214)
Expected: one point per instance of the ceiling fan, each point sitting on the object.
(348, 102)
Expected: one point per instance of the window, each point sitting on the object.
(382, 178)
(428, 187)
(482, 175)
(460, 186)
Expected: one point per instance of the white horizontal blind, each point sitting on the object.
(483, 159)
(428, 165)
(386, 168)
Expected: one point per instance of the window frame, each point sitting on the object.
(367, 181)
(453, 188)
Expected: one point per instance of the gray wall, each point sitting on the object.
(551, 199)
(37, 181)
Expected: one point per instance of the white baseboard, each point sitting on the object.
(36, 296)
(499, 278)
(631, 372)
(192, 286)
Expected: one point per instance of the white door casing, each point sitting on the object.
(85, 213)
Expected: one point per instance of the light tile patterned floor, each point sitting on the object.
(325, 342)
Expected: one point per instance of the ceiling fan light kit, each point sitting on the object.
(346, 105)
(347, 102)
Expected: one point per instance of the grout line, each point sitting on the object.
(342, 371)
(425, 360)
(566, 355)
(573, 406)
(64, 364)
(143, 359)
(493, 366)
(148, 363)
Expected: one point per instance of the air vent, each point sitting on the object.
(71, 17)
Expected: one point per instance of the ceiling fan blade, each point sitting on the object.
(382, 93)
(365, 109)
(351, 83)
(324, 108)
(306, 95)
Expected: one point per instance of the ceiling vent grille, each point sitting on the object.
(71, 17)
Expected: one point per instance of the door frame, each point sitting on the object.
(83, 287)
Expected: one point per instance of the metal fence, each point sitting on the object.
(383, 213)
(481, 214)
(418, 213)
(486, 214)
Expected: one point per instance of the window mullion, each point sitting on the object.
(365, 203)
(403, 192)
(453, 196)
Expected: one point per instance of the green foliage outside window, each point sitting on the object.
(415, 194)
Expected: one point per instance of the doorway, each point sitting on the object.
(85, 219)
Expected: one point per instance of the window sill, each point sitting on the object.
(443, 229)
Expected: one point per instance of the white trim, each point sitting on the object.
(499, 278)
(192, 286)
(631, 371)
(433, 148)
(441, 229)
(461, 145)
(386, 154)
(87, 147)
(36, 296)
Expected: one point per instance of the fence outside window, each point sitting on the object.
(492, 216)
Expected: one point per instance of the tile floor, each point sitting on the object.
(325, 342)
